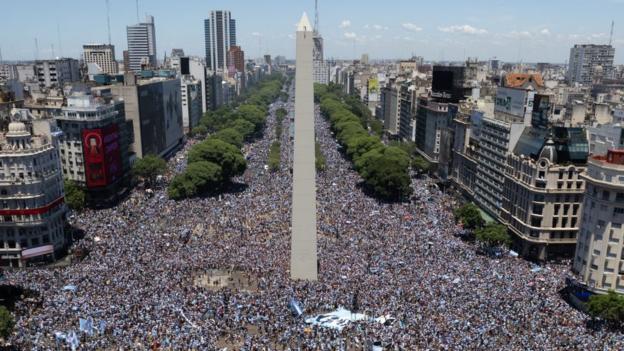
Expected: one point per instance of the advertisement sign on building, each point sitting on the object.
(102, 155)
(516, 102)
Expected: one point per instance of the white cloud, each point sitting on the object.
(545, 31)
(379, 27)
(291, 36)
(411, 27)
(350, 35)
(519, 34)
(345, 24)
(256, 34)
(467, 29)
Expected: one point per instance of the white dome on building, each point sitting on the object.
(17, 129)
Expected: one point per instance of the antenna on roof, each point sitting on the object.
(611, 35)
(137, 8)
(58, 35)
(36, 49)
(316, 16)
(52, 47)
(0, 56)
(108, 20)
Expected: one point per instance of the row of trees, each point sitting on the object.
(490, 235)
(385, 169)
(213, 162)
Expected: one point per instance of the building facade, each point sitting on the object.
(543, 190)
(599, 257)
(102, 55)
(55, 73)
(94, 147)
(590, 63)
(236, 59)
(155, 108)
(141, 45)
(31, 191)
(219, 37)
(191, 94)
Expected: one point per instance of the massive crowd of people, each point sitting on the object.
(380, 258)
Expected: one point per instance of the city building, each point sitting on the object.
(141, 45)
(543, 190)
(95, 145)
(102, 56)
(191, 95)
(154, 106)
(390, 109)
(605, 137)
(236, 58)
(599, 257)
(31, 190)
(513, 111)
(55, 73)
(219, 37)
(590, 63)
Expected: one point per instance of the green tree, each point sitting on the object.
(230, 136)
(470, 216)
(419, 164)
(254, 114)
(199, 177)
(609, 307)
(149, 167)
(274, 156)
(243, 127)
(227, 156)
(75, 196)
(359, 145)
(493, 235)
(376, 127)
(6, 322)
(200, 130)
(320, 162)
(281, 113)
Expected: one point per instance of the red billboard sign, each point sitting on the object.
(102, 155)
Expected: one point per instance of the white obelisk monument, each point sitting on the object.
(303, 256)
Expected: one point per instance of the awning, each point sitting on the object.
(37, 251)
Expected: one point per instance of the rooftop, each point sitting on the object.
(520, 80)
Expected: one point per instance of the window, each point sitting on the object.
(619, 197)
(605, 195)
(557, 208)
(618, 210)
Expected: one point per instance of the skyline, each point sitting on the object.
(485, 29)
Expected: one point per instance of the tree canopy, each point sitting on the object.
(230, 136)
(227, 156)
(75, 196)
(6, 322)
(493, 235)
(470, 216)
(149, 167)
(609, 307)
(199, 177)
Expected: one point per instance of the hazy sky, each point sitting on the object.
(531, 30)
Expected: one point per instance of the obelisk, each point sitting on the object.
(303, 255)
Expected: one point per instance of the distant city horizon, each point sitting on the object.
(485, 30)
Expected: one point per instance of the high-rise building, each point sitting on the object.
(102, 55)
(31, 188)
(51, 73)
(219, 37)
(236, 58)
(590, 63)
(155, 109)
(598, 260)
(191, 93)
(95, 144)
(141, 45)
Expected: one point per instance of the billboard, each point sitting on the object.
(516, 102)
(102, 155)
(448, 83)
(373, 86)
